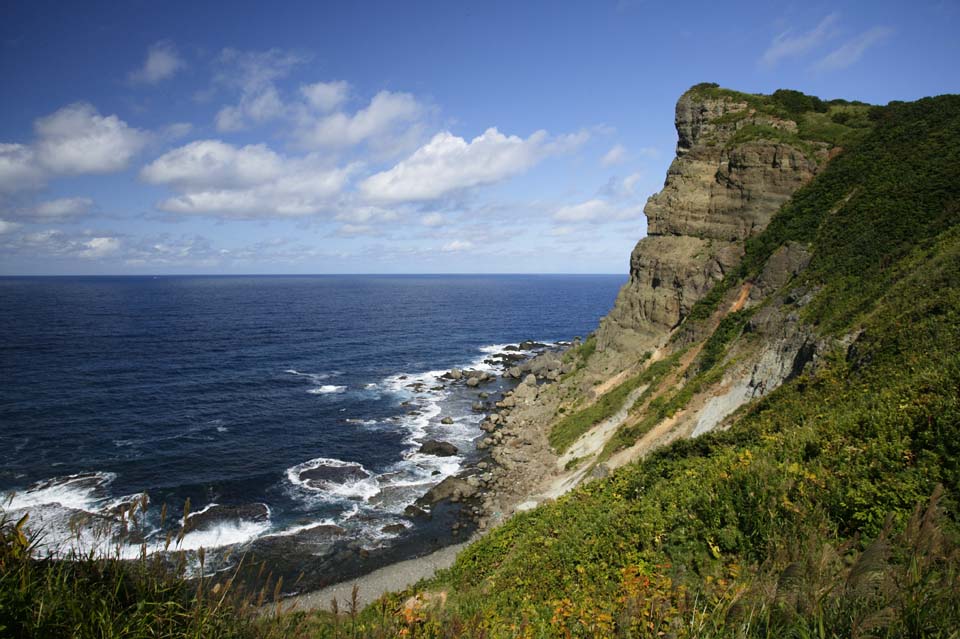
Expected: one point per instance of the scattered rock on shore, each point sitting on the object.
(439, 449)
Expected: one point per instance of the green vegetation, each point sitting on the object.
(581, 354)
(729, 329)
(103, 596)
(572, 426)
(819, 512)
(828, 509)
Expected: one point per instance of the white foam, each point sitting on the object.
(293, 530)
(73, 491)
(227, 533)
(327, 389)
(350, 489)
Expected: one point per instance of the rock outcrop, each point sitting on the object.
(731, 173)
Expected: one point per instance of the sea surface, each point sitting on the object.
(224, 390)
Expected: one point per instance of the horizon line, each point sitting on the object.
(412, 274)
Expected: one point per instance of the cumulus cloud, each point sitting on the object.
(57, 243)
(71, 141)
(789, 44)
(325, 96)
(386, 112)
(448, 163)
(99, 247)
(850, 52)
(63, 208)
(616, 155)
(77, 139)
(254, 74)
(596, 210)
(162, 63)
(216, 178)
(19, 168)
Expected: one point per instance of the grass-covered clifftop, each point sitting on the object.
(827, 508)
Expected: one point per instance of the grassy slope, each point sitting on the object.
(822, 460)
(798, 521)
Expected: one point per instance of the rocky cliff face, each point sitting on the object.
(729, 177)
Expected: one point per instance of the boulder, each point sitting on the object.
(449, 488)
(394, 529)
(438, 449)
(447, 420)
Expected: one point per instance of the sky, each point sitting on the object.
(393, 137)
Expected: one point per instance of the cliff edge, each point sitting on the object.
(738, 159)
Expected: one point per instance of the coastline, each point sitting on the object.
(516, 467)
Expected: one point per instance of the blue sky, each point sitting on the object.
(393, 137)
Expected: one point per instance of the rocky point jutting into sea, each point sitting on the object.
(721, 189)
(737, 162)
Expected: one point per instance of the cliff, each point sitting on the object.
(770, 411)
(722, 188)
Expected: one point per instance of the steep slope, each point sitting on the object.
(821, 373)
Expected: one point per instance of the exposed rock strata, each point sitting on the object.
(719, 191)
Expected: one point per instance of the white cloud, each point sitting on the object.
(56, 243)
(458, 246)
(433, 219)
(850, 52)
(77, 139)
(7, 227)
(254, 107)
(214, 164)
(325, 96)
(382, 116)
(254, 74)
(448, 163)
(596, 210)
(630, 182)
(788, 45)
(162, 63)
(19, 169)
(366, 215)
(71, 141)
(63, 208)
(216, 178)
(99, 247)
(616, 155)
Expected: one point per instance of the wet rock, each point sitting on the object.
(394, 529)
(452, 488)
(217, 514)
(415, 511)
(447, 420)
(439, 449)
(473, 382)
(321, 475)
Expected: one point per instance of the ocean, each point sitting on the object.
(276, 404)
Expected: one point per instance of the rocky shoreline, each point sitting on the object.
(514, 463)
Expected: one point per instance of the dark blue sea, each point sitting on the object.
(224, 390)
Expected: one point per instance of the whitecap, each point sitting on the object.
(226, 533)
(79, 491)
(337, 480)
(327, 389)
